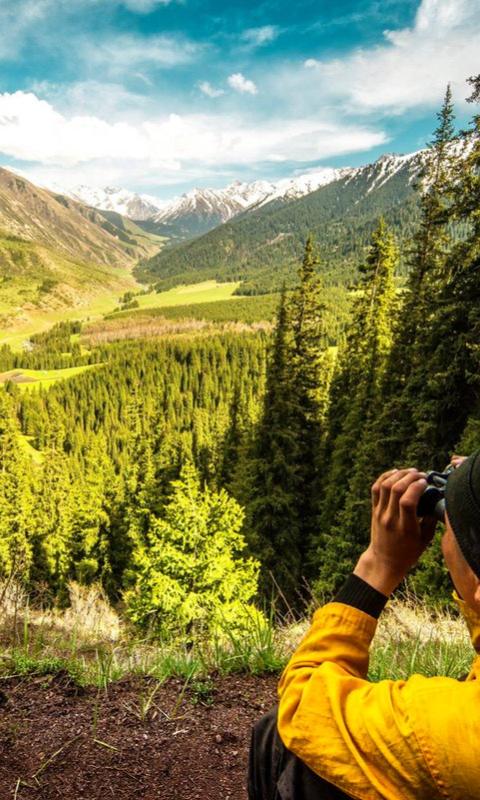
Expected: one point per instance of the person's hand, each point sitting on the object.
(398, 536)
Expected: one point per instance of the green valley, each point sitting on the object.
(181, 423)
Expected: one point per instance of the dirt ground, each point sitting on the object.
(130, 741)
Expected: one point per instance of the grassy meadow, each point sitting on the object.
(37, 320)
(30, 379)
(191, 294)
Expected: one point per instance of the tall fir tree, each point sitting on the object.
(361, 371)
(450, 395)
(311, 369)
(430, 247)
(268, 476)
(54, 515)
(283, 469)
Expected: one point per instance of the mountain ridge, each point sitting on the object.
(203, 208)
(261, 245)
(137, 207)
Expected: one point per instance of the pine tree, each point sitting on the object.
(406, 370)
(309, 344)
(54, 514)
(232, 440)
(445, 400)
(283, 467)
(361, 368)
(15, 498)
(269, 475)
(95, 491)
(311, 371)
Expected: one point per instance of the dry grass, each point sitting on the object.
(410, 638)
(143, 327)
(94, 644)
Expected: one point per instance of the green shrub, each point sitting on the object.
(190, 573)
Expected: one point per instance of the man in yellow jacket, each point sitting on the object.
(341, 736)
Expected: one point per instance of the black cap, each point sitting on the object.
(462, 500)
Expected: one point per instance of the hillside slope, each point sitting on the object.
(262, 245)
(57, 252)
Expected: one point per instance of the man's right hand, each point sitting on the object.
(398, 536)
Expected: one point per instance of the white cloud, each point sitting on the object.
(87, 97)
(412, 67)
(241, 84)
(127, 51)
(143, 6)
(210, 90)
(257, 37)
(171, 147)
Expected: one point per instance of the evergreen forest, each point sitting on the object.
(201, 477)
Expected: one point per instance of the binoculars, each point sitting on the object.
(432, 501)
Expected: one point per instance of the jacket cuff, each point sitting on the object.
(359, 594)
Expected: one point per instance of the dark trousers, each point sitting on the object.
(274, 773)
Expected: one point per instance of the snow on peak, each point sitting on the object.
(223, 204)
(111, 198)
(215, 206)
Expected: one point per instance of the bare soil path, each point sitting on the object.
(130, 741)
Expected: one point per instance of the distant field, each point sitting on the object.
(106, 302)
(205, 292)
(27, 379)
(234, 309)
(204, 302)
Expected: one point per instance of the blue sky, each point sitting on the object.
(160, 96)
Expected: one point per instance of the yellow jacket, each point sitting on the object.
(411, 740)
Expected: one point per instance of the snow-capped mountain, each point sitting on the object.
(218, 204)
(265, 243)
(202, 209)
(129, 204)
(237, 197)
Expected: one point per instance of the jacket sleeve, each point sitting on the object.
(355, 734)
